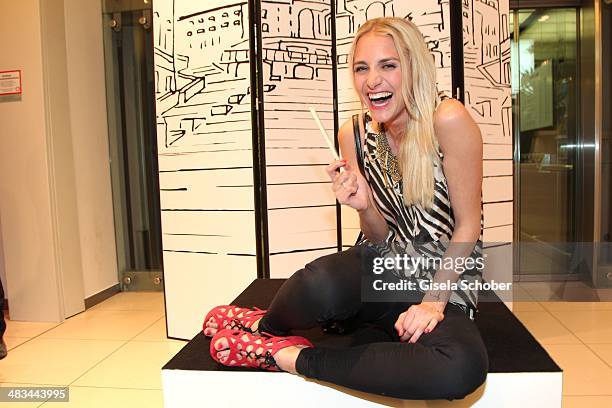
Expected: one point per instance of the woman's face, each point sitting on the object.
(378, 78)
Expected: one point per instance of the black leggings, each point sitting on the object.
(448, 363)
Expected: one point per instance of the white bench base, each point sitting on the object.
(189, 388)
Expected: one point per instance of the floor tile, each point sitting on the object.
(576, 306)
(27, 329)
(133, 301)
(594, 326)
(104, 325)
(605, 352)
(54, 361)
(521, 306)
(157, 332)
(92, 397)
(136, 365)
(545, 328)
(587, 402)
(583, 372)
(12, 342)
(560, 291)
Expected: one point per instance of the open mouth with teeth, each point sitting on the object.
(379, 99)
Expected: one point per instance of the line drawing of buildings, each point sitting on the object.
(487, 97)
(203, 87)
(487, 66)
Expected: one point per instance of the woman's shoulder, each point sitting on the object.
(449, 109)
(454, 125)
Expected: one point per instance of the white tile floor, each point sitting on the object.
(112, 354)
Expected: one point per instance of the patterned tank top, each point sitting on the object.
(413, 230)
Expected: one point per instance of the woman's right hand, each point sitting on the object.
(350, 188)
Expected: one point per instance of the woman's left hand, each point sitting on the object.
(418, 319)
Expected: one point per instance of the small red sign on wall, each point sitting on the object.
(10, 82)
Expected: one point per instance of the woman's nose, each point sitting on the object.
(374, 79)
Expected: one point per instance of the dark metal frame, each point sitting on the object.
(259, 141)
(456, 33)
(334, 52)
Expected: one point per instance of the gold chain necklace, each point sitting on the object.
(387, 159)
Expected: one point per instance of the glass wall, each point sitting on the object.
(128, 46)
(545, 109)
(604, 276)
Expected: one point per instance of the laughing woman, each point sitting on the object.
(413, 173)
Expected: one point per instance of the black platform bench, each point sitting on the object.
(521, 373)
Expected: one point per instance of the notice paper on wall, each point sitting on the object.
(10, 82)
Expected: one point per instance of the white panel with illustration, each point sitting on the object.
(486, 35)
(297, 74)
(205, 156)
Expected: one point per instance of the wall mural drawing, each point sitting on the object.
(202, 79)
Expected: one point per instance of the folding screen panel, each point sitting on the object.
(487, 96)
(202, 82)
(297, 73)
(486, 36)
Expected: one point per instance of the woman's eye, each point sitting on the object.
(360, 69)
(389, 66)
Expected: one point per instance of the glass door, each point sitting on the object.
(128, 43)
(545, 109)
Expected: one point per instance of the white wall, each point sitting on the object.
(55, 200)
(25, 205)
(60, 156)
(86, 87)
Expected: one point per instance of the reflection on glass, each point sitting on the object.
(544, 67)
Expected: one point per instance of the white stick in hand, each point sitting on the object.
(330, 144)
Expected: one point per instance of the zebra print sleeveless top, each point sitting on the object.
(413, 230)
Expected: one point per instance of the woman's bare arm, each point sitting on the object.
(461, 143)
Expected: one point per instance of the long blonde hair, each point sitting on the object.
(418, 149)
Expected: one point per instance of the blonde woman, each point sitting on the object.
(413, 172)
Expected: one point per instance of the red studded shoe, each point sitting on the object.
(249, 350)
(241, 318)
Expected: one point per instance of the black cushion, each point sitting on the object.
(510, 346)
